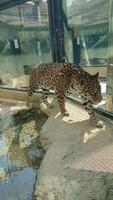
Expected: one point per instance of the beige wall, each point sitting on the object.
(102, 70)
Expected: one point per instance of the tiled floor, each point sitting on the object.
(100, 159)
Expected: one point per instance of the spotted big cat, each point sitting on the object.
(60, 77)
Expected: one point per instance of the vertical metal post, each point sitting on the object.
(56, 29)
(76, 48)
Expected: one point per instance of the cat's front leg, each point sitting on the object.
(89, 108)
(61, 102)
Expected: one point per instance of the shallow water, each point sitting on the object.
(20, 151)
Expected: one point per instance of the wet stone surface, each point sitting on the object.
(20, 151)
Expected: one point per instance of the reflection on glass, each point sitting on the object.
(91, 23)
(24, 41)
(109, 97)
(89, 20)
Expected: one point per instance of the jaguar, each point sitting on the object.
(61, 77)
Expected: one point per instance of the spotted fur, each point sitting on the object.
(60, 78)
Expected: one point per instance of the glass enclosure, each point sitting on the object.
(77, 31)
(44, 31)
(24, 41)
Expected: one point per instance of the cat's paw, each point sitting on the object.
(65, 114)
(99, 124)
(28, 104)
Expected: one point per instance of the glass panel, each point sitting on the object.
(24, 41)
(89, 21)
(89, 24)
(109, 97)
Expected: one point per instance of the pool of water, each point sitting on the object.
(20, 151)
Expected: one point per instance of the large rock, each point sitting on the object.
(78, 160)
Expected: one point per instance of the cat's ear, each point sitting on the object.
(96, 75)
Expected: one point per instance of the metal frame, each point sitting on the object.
(76, 48)
(56, 29)
(11, 3)
(57, 20)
